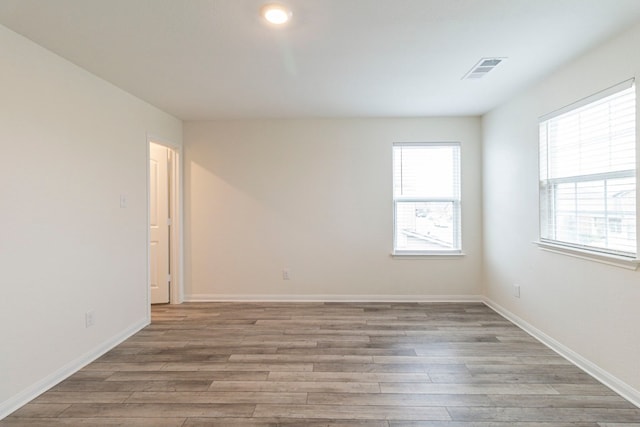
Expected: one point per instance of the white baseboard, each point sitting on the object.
(606, 378)
(35, 390)
(330, 298)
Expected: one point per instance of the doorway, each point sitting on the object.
(164, 255)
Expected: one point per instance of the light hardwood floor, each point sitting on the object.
(329, 364)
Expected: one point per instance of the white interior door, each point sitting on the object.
(159, 222)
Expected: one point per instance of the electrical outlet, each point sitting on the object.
(286, 274)
(89, 319)
(516, 290)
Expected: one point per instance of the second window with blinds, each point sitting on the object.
(426, 199)
(588, 174)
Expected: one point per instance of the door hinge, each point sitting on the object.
(169, 278)
(169, 222)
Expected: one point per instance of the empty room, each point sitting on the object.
(383, 213)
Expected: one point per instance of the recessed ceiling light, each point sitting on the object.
(276, 14)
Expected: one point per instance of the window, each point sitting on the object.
(426, 198)
(588, 174)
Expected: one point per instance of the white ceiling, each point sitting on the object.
(212, 59)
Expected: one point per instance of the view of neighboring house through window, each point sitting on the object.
(588, 174)
(426, 198)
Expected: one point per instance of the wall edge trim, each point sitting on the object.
(614, 383)
(329, 298)
(25, 396)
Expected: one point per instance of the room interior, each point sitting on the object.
(285, 139)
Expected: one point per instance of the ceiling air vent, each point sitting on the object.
(482, 68)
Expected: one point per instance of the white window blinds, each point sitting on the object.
(588, 173)
(426, 197)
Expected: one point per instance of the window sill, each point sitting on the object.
(427, 255)
(616, 261)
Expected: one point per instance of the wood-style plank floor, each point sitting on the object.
(329, 364)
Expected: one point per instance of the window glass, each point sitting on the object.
(426, 198)
(588, 174)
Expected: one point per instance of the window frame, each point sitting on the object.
(594, 253)
(456, 204)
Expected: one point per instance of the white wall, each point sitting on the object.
(71, 144)
(592, 309)
(315, 196)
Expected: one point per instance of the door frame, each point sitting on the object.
(176, 246)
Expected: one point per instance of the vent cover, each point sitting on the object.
(482, 68)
